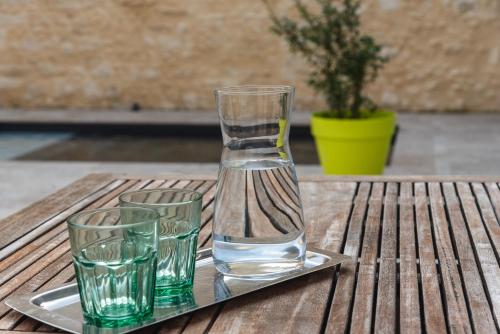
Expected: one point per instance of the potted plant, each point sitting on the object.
(353, 136)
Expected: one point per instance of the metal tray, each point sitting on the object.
(61, 307)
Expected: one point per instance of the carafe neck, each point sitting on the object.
(255, 120)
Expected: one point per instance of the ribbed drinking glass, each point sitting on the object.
(114, 253)
(180, 214)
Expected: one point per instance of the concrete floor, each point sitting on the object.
(443, 144)
(464, 144)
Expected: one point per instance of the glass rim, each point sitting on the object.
(196, 197)
(254, 90)
(72, 223)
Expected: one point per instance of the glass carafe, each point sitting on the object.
(258, 227)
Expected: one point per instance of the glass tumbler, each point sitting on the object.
(115, 255)
(258, 229)
(180, 215)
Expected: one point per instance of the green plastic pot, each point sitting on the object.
(353, 146)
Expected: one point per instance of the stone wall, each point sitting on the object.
(170, 54)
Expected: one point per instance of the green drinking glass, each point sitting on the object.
(180, 215)
(115, 257)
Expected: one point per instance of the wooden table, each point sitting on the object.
(427, 252)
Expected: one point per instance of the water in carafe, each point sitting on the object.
(258, 228)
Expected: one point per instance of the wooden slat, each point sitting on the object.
(269, 312)
(197, 322)
(45, 226)
(206, 217)
(206, 231)
(458, 318)
(409, 303)
(464, 234)
(339, 314)
(494, 193)
(107, 201)
(196, 184)
(33, 256)
(29, 218)
(46, 328)
(47, 278)
(490, 220)
(385, 317)
(111, 199)
(433, 308)
(482, 319)
(53, 238)
(364, 296)
(35, 283)
(173, 326)
(55, 254)
(489, 267)
(202, 320)
(28, 325)
(34, 269)
(200, 185)
(156, 184)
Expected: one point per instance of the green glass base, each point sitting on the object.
(180, 300)
(173, 290)
(112, 322)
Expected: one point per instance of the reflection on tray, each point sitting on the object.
(61, 307)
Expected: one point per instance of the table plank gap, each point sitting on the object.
(202, 321)
(456, 309)
(195, 184)
(339, 316)
(409, 294)
(480, 312)
(494, 195)
(488, 216)
(385, 315)
(27, 325)
(206, 217)
(482, 247)
(181, 184)
(365, 295)
(175, 326)
(336, 273)
(437, 262)
(46, 328)
(434, 316)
